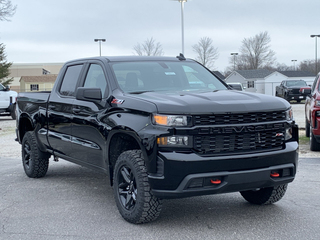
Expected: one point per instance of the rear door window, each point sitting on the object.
(70, 79)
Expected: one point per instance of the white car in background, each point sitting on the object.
(7, 102)
(236, 86)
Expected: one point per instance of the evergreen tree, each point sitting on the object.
(4, 67)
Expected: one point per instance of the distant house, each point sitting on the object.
(37, 83)
(17, 70)
(265, 81)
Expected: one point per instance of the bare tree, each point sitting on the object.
(308, 65)
(7, 10)
(148, 48)
(284, 67)
(255, 52)
(206, 52)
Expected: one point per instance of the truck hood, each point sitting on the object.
(212, 102)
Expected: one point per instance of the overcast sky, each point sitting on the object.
(60, 30)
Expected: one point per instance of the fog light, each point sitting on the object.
(178, 141)
(288, 134)
(196, 183)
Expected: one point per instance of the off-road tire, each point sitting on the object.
(314, 145)
(34, 161)
(265, 196)
(13, 112)
(132, 192)
(307, 128)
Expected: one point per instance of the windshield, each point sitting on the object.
(137, 77)
(1, 87)
(296, 83)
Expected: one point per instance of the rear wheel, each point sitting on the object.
(34, 161)
(265, 195)
(132, 192)
(13, 112)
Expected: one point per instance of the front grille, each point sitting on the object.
(238, 118)
(295, 91)
(234, 133)
(239, 143)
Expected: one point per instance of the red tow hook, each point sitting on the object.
(215, 181)
(274, 174)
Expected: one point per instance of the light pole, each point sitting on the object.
(234, 60)
(316, 36)
(100, 40)
(294, 64)
(182, 22)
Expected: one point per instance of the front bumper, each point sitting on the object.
(315, 124)
(188, 175)
(296, 97)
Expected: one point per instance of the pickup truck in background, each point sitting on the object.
(160, 127)
(312, 113)
(293, 90)
(7, 102)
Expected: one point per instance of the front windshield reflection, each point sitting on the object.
(140, 77)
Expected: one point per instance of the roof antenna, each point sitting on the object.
(181, 57)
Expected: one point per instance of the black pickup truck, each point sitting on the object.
(160, 127)
(293, 90)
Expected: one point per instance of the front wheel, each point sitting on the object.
(307, 128)
(132, 192)
(34, 161)
(314, 145)
(265, 196)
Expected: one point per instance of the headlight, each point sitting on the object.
(289, 114)
(170, 120)
(317, 103)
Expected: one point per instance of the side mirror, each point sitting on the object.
(7, 88)
(89, 94)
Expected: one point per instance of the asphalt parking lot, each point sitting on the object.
(72, 202)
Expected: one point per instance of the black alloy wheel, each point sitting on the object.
(27, 155)
(127, 188)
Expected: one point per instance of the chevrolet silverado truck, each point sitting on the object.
(159, 127)
(293, 90)
(7, 102)
(312, 114)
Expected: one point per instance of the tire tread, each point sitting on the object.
(39, 160)
(151, 206)
(265, 196)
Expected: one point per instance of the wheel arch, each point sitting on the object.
(25, 125)
(119, 141)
